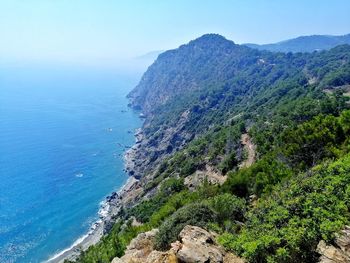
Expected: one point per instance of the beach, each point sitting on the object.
(107, 213)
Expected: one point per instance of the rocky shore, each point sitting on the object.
(108, 211)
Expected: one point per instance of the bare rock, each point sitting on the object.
(231, 258)
(140, 250)
(198, 246)
(340, 253)
(206, 173)
(343, 240)
(117, 260)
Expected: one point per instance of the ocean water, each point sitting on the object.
(62, 136)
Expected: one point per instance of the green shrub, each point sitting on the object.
(227, 207)
(287, 225)
(197, 214)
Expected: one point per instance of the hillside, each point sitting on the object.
(245, 148)
(305, 43)
(212, 80)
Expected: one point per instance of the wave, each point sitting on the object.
(77, 242)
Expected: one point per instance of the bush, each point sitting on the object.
(287, 225)
(227, 206)
(197, 214)
(228, 163)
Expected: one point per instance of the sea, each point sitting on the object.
(63, 132)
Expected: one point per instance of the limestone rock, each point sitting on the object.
(117, 260)
(206, 173)
(333, 254)
(140, 250)
(198, 246)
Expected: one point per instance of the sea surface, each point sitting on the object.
(63, 132)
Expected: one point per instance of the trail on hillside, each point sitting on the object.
(250, 148)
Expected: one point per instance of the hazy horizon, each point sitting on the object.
(111, 33)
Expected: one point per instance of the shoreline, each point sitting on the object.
(109, 208)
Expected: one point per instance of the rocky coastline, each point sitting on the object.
(109, 209)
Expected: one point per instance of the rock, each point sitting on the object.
(117, 260)
(140, 250)
(333, 254)
(206, 173)
(198, 246)
(343, 240)
(231, 258)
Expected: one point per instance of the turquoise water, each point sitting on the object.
(61, 132)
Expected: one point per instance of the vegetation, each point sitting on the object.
(287, 225)
(295, 194)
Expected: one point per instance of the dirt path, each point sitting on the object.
(250, 149)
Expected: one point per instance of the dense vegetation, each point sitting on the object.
(212, 81)
(295, 194)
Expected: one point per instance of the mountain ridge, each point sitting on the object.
(304, 43)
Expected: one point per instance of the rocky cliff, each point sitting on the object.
(195, 245)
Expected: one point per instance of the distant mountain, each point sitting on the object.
(152, 55)
(305, 43)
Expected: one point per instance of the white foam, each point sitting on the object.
(77, 242)
(104, 209)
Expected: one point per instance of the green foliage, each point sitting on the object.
(112, 245)
(228, 163)
(303, 195)
(198, 214)
(258, 178)
(313, 141)
(227, 207)
(287, 225)
(145, 209)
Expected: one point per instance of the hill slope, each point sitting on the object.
(252, 145)
(305, 43)
(211, 80)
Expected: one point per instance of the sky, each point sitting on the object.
(113, 31)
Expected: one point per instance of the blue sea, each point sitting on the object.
(63, 132)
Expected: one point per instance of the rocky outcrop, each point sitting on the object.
(209, 173)
(140, 250)
(150, 149)
(195, 245)
(199, 246)
(340, 252)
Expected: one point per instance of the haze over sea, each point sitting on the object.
(62, 137)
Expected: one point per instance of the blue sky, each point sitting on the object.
(89, 31)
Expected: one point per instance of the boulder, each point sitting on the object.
(340, 252)
(198, 246)
(140, 250)
(195, 245)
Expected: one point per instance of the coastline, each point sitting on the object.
(108, 210)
